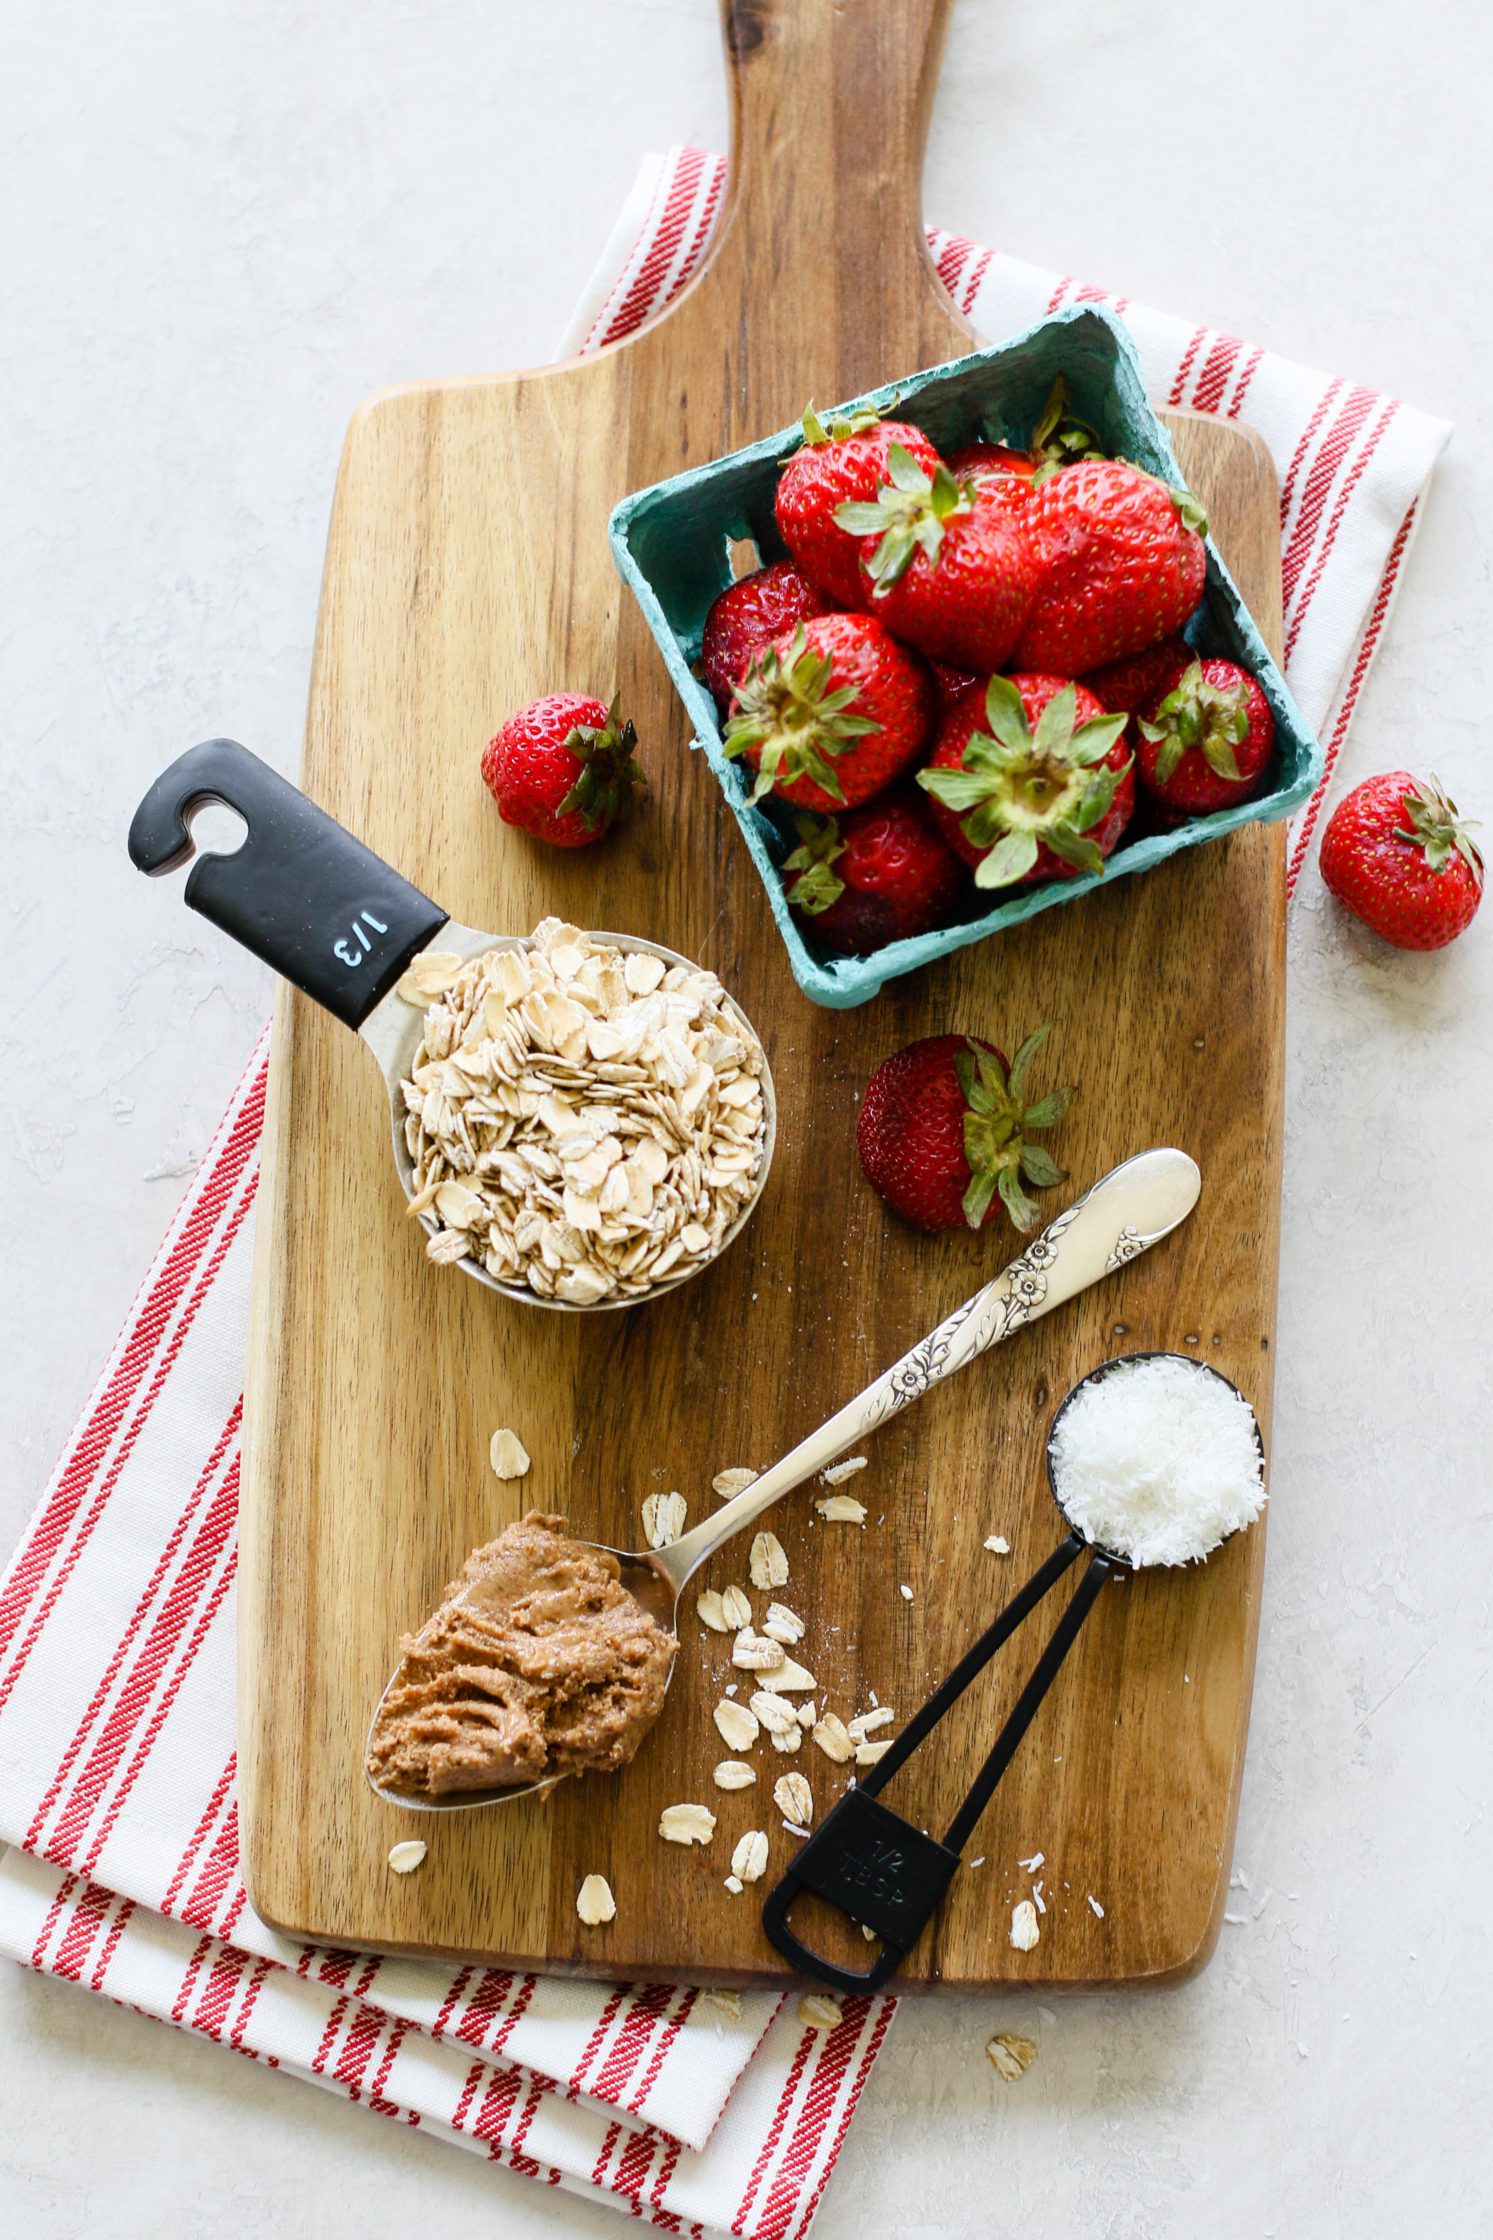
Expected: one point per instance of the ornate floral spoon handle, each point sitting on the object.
(1130, 1208)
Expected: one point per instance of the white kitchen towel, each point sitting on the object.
(117, 1789)
(116, 1614)
(1353, 465)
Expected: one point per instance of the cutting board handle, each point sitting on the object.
(830, 101)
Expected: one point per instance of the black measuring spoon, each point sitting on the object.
(867, 1861)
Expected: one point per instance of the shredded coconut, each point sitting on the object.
(1158, 1460)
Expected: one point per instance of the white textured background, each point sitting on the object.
(222, 225)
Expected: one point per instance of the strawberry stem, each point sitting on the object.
(998, 1127)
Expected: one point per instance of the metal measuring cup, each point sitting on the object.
(873, 1866)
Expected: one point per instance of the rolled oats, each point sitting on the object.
(749, 1859)
(838, 1472)
(783, 1624)
(507, 1455)
(768, 1564)
(728, 1483)
(1009, 2055)
(818, 2011)
(790, 1739)
(794, 1798)
(753, 1652)
(1024, 1928)
(870, 1753)
(732, 1774)
(777, 1716)
(737, 1727)
(712, 1611)
(841, 1508)
(664, 1518)
(581, 1121)
(834, 1739)
(736, 1607)
(594, 1901)
(406, 1856)
(867, 1722)
(789, 1679)
(686, 1823)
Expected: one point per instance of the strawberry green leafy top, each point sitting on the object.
(784, 709)
(996, 1127)
(1022, 788)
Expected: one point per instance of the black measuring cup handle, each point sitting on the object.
(332, 917)
(877, 1868)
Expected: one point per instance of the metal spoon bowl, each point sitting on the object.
(1125, 1212)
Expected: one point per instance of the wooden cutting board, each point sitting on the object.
(467, 570)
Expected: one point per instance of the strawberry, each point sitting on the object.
(1030, 780)
(847, 460)
(1122, 562)
(946, 565)
(828, 716)
(747, 616)
(951, 683)
(1134, 686)
(1205, 742)
(1397, 855)
(944, 1132)
(880, 873)
(562, 768)
(1057, 437)
(985, 462)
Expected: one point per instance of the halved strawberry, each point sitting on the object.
(1030, 779)
(1205, 743)
(845, 461)
(880, 873)
(829, 716)
(946, 565)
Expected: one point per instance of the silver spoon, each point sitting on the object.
(1127, 1210)
(343, 926)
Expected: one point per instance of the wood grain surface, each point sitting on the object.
(467, 570)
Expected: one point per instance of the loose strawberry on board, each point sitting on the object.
(1204, 743)
(1123, 565)
(880, 873)
(748, 615)
(1030, 780)
(1398, 856)
(830, 715)
(561, 769)
(944, 1132)
(946, 565)
(835, 465)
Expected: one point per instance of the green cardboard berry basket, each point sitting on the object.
(672, 545)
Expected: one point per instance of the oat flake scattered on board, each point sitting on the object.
(728, 1483)
(665, 1516)
(841, 1508)
(818, 2011)
(594, 1901)
(838, 1472)
(1025, 1930)
(686, 1823)
(508, 1455)
(406, 1856)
